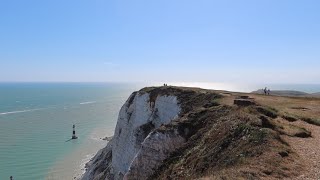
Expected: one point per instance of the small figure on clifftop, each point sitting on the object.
(265, 91)
(269, 91)
(11, 178)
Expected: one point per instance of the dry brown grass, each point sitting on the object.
(269, 140)
(241, 142)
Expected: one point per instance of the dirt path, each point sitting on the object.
(309, 151)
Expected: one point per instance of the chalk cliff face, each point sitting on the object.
(190, 133)
(138, 117)
(136, 145)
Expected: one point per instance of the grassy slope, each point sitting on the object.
(231, 142)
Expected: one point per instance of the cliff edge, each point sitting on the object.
(190, 133)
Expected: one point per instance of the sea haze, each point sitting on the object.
(36, 119)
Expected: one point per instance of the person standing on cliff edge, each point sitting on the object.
(11, 178)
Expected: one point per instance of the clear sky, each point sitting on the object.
(265, 41)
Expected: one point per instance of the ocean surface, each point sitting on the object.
(36, 121)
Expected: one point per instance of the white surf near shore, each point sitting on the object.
(89, 102)
(22, 111)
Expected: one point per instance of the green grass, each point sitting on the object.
(289, 117)
(311, 121)
(258, 136)
(268, 111)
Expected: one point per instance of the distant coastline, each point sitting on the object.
(290, 93)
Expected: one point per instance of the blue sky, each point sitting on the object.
(265, 41)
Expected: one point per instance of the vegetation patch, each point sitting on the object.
(311, 121)
(213, 103)
(285, 128)
(258, 136)
(296, 131)
(289, 117)
(244, 102)
(242, 129)
(300, 108)
(222, 141)
(268, 111)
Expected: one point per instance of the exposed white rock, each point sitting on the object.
(129, 134)
(138, 118)
(167, 109)
(155, 149)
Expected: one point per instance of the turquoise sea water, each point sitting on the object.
(36, 119)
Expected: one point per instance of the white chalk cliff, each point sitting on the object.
(186, 133)
(138, 147)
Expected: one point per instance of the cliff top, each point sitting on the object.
(270, 137)
(193, 133)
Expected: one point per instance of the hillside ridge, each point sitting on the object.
(190, 133)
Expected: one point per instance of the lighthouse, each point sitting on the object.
(74, 132)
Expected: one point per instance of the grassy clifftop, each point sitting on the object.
(271, 137)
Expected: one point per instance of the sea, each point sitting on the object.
(36, 122)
